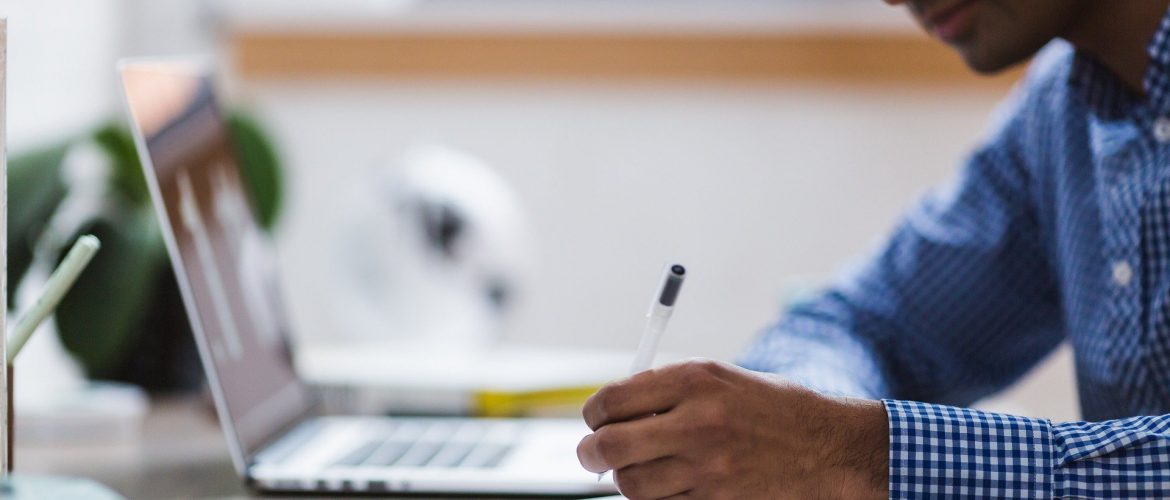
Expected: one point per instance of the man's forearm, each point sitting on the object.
(863, 443)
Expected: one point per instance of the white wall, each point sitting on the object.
(61, 57)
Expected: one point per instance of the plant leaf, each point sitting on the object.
(35, 189)
(127, 175)
(259, 166)
(99, 319)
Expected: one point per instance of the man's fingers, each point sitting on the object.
(625, 443)
(646, 393)
(643, 394)
(669, 477)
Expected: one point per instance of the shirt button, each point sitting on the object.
(1122, 273)
(1162, 129)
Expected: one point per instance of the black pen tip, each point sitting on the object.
(672, 285)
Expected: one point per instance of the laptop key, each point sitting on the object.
(494, 460)
(419, 454)
(451, 454)
(409, 430)
(388, 453)
(440, 431)
(358, 455)
(470, 432)
(486, 455)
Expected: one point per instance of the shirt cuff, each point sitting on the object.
(943, 451)
(1126, 458)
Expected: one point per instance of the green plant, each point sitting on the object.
(123, 319)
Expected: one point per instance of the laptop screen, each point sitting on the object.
(220, 255)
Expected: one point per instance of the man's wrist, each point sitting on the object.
(861, 448)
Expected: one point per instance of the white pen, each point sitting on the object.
(657, 317)
(661, 307)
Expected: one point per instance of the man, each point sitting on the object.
(1058, 227)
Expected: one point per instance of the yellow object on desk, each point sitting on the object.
(531, 403)
(507, 379)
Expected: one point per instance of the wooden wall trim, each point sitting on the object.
(861, 58)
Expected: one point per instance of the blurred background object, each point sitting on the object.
(433, 252)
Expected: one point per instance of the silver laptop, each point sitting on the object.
(278, 441)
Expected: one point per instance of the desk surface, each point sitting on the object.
(181, 454)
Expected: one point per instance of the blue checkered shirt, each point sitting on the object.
(1056, 229)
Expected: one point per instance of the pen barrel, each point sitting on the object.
(648, 346)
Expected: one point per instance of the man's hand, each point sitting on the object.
(704, 429)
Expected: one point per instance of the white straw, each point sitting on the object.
(56, 287)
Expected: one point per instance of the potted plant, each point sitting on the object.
(124, 319)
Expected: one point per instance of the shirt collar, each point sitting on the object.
(1157, 79)
(1105, 94)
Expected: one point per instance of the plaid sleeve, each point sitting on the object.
(958, 303)
(942, 451)
(819, 356)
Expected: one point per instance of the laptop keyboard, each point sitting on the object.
(434, 443)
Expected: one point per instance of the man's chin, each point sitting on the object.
(992, 64)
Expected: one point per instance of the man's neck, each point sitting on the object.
(1117, 34)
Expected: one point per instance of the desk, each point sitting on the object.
(181, 454)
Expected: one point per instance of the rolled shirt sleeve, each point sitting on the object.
(959, 301)
(819, 356)
(939, 451)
